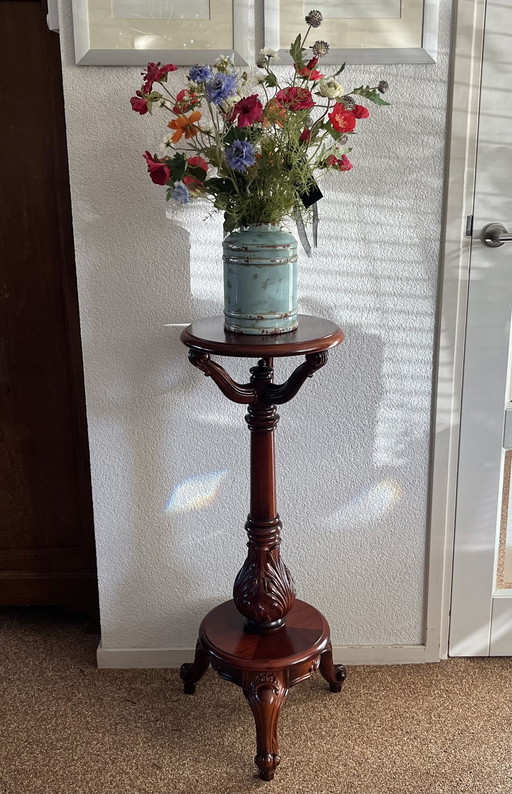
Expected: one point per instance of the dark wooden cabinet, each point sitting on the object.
(46, 527)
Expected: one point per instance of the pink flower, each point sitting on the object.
(360, 112)
(248, 110)
(159, 172)
(139, 104)
(342, 120)
(309, 71)
(156, 73)
(295, 98)
(341, 164)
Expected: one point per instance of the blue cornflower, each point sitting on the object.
(240, 155)
(220, 87)
(200, 74)
(180, 193)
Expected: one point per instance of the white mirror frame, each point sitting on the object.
(425, 52)
(85, 55)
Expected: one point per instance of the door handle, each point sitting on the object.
(494, 235)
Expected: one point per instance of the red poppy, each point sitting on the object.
(309, 72)
(139, 104)
(185, 101)
(248, 110)
(295, 98)
(155, 73)
(198, 162)
(159, 172)
(305, 136)
(360, 112)
(342, 120)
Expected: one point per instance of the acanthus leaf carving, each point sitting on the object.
(264, 590)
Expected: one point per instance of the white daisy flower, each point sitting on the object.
(270, 53)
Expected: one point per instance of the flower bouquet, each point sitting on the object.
(254, 147)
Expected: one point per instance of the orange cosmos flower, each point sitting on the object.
(274, 114)
(184, 126)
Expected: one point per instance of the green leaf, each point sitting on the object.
(178, 166)
(230, 223)
(296, 51)
(271, 80)
(230, 136)
(219, 185)
(197, 171)
(211, 154)
(332, 132)
(340, 70)
(370, 93)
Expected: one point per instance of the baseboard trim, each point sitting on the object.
(146, 658)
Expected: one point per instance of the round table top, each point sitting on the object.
(313, 335)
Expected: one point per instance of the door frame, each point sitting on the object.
(462, 138)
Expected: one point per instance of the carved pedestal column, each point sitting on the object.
(263, 591)
(264, 640)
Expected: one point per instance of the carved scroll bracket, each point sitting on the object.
(236, 392)
(260, 389)
(277, 395)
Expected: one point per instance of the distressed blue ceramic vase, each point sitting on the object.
(260, 280)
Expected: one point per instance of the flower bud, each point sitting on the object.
(315, 19)
(320, 48)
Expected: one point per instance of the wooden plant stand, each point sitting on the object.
(264, 640)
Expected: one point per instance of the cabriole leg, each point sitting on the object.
(266, 694)
(334, 674)
(190, 674)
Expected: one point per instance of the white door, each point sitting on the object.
(481, 610)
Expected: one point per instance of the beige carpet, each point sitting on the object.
(67, 728)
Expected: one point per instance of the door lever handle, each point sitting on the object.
(494, 235)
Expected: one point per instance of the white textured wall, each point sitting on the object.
(353, 447)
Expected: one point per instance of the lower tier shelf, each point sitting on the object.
(265, 665)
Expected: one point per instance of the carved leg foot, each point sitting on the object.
(334, 674)
(266, 694)
(190, 674)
